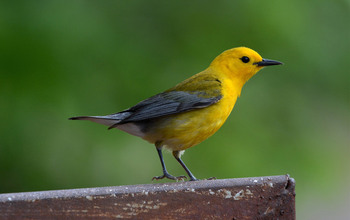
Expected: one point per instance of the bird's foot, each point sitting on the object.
(168, 176)
(195, 179)
(211, 178)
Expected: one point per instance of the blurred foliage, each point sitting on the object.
(66, 58)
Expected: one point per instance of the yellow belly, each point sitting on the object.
(184, 130)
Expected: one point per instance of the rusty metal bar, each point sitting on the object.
(242, 198)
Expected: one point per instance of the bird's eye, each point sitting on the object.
(245, 59)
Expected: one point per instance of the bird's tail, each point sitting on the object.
(108, 120)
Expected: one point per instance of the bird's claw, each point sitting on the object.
(168, 176)
(212, 178)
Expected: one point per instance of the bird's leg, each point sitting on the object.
(165, 172)
(177, 154)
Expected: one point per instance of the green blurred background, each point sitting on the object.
(67, 58)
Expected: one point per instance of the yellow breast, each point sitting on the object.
(184, 130)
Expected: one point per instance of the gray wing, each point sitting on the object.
(203, 92)
(166, 103)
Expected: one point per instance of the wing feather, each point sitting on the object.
(179, 99)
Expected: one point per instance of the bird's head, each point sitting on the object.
(241, 63)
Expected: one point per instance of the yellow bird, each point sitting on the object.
(191, 111)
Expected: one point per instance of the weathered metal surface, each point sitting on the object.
(242, 198)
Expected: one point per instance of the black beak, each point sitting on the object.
(266, 62)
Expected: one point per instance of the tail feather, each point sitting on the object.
(98, 119)
(108, 120)
(115, 121)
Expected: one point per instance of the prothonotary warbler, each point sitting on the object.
(191, 111)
